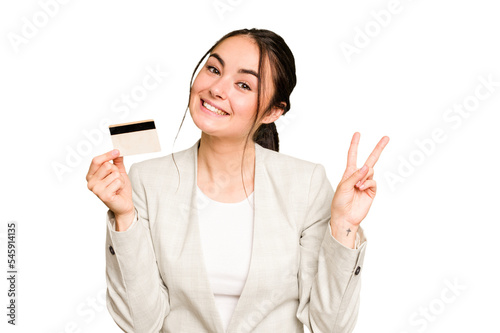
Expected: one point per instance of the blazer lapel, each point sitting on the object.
(199, 284)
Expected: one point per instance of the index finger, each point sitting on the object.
(373, 158)
(99, 160)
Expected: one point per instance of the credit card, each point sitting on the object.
(138, 137)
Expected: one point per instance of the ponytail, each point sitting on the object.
(267, 136)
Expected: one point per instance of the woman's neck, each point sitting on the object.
(220, 163)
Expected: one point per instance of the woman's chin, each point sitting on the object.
(206, 125)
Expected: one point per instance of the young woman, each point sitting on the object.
(230, 235)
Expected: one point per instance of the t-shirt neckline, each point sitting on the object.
(250, 197)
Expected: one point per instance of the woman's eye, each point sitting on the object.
(212, 69)
(244, 86)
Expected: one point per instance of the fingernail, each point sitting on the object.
(357, 184)
(114, 152)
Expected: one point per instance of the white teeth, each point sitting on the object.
(213, 109)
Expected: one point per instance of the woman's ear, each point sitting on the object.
(276, 112)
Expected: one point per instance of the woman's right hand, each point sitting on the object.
(110, 182)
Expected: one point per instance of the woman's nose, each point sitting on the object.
(218, 89)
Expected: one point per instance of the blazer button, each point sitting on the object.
(113, 251)
(357, 270)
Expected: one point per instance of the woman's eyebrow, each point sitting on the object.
(248, 71)
(216, 56)
(244, 71)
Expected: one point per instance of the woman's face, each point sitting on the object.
(228, 83)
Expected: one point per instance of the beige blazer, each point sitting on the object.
(299, 273)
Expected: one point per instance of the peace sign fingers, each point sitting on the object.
(373, 158)
(352, 155)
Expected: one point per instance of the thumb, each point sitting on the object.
(119, 164)
(356, 177)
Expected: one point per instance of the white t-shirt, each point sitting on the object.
(226, 231)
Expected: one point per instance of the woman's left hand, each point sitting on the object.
(355, 192)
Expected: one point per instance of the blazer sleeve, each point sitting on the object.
(329, 272)
(136, 297)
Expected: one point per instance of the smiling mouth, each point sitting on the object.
(214, 109)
